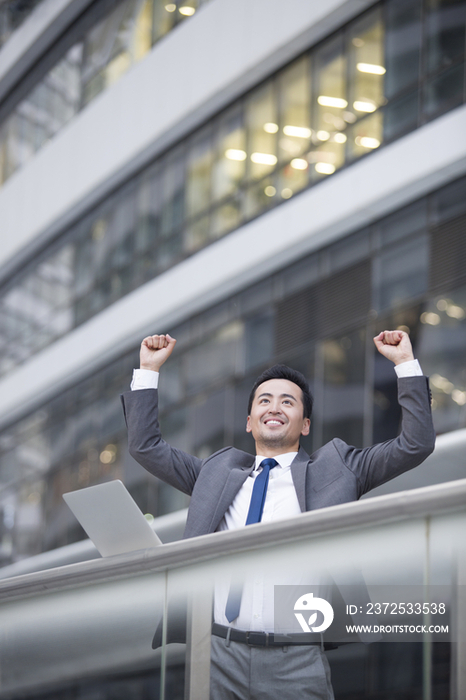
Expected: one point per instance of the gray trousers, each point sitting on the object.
(242, 672)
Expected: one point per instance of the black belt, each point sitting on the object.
(264, 639)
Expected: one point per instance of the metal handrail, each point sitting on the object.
(405, 505)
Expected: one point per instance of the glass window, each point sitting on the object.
(240, 438)
(366, 135)
(143, 26)
(216, 358)
(343, 390)
(164, 17)
(295, 128)
(386, 412)
(401, 272)
(348, 251)
(259, 339)
(403, 32)
(367, 63)
(148, 211)
(261, 120)
(441, 352)
(331, 109)
(404, 222)
(445, 28)
(197, 233)
(207, 423)
(173, 195)
(261, 196)
(444, 92)
(199, 174)
(227, 216)
(106, 52)
(295, 113)
(401, 116)
(450, 201)
(300, 275)
(230, 162)
(291, 179)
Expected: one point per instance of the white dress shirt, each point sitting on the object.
(281, 502)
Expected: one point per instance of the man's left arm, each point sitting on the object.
(375, 465)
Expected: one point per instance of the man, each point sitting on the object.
(232, 488)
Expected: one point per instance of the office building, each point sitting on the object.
(267, 182)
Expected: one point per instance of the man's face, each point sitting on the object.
(276, 421)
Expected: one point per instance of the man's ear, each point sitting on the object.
(306, 426)
(248, 425)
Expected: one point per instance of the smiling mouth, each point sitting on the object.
(273, 421)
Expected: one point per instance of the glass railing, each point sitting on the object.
(389, 570)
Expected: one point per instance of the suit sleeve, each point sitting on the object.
(145, 443)
(373, 466)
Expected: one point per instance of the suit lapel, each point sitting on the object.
(298, 472)
(241, 465)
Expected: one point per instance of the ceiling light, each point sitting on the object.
(299, 164)
(431, 318)
(367, 142)
(271, 128)
(326, 101)
(454, 311)
(349, 117)
(442, 383)
(362, 106)
(323, 135)
(371, 68)
(264, 158)
(235, 154)
(325, 168)
(287, 193)
(339, 138)
(186, 10)
(301, 132)
(270, 191)
(171, 7)
(459, 397)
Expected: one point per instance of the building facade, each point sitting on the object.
(267, 182)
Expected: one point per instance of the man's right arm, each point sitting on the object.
(140, 407)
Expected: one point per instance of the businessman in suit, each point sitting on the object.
(226, 487)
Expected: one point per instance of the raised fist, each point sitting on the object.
(155, 350)
(395, 346)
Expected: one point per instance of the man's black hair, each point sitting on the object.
(292, 375)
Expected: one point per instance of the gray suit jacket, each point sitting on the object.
(336, 473)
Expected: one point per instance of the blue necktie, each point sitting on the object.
(256, 508)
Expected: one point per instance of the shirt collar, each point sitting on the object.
(283, 460)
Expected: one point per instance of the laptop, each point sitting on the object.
(111, 518)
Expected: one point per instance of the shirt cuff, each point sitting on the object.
(412, 368)
(144, 379)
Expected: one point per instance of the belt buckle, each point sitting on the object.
(258, 639)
